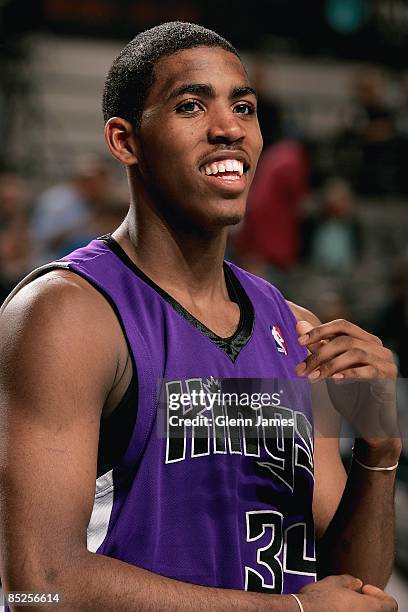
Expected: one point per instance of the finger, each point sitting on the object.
(368, 372)
(336, 368)
(334, 328)
(325, 353)
(373, 591)
(347, 581)
(302, 328)
(315, 350)
(362, 352)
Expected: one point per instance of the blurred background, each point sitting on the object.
(328, 211)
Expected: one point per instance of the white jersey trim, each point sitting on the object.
(101, 513)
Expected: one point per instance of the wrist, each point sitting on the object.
(299, 604)
(378, 453)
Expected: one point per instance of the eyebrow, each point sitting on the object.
(240, 92)
(208, 91)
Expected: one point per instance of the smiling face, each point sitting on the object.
(199, 138)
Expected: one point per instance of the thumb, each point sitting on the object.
(373, 591)
(303, 327)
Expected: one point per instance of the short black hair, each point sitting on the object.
(132, 73)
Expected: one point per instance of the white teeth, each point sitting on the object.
(227, 165)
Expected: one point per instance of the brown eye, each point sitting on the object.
(191, 106)
(244, 108)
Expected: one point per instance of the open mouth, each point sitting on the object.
(226, 169)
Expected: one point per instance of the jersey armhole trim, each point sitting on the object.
(59, 265)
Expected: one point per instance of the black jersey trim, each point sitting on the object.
(115, 430)
(232, 345)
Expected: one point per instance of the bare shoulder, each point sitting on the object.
(59, 299)
(303, 314)
(60, 321)
(51, 291)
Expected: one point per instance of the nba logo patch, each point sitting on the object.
(279, 339)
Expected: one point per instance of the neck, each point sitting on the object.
(179, 259)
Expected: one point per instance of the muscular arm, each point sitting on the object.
(354, 517)
(61, 356)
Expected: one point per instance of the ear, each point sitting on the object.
(121, 139)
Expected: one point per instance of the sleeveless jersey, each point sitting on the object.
(222, 502)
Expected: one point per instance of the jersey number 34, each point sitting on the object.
(293, 540)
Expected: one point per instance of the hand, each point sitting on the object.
(343, 350)
(361, 376)
(344, 593)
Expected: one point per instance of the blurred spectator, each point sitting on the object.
(368, 137)
(332, 306)
(402, 136)
(14, 197)
(64, 214)
(332, 237)
(269, 235)
(392, 323)
(15, 245)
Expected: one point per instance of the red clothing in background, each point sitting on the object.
(271, 226)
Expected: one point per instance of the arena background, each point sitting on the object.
(333, 84)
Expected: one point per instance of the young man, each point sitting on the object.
(179, 524)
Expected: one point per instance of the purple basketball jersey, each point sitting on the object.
(215, 505)
(218, 510)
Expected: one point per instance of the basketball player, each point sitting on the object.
(88, 343)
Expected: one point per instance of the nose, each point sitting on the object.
(225, 127)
